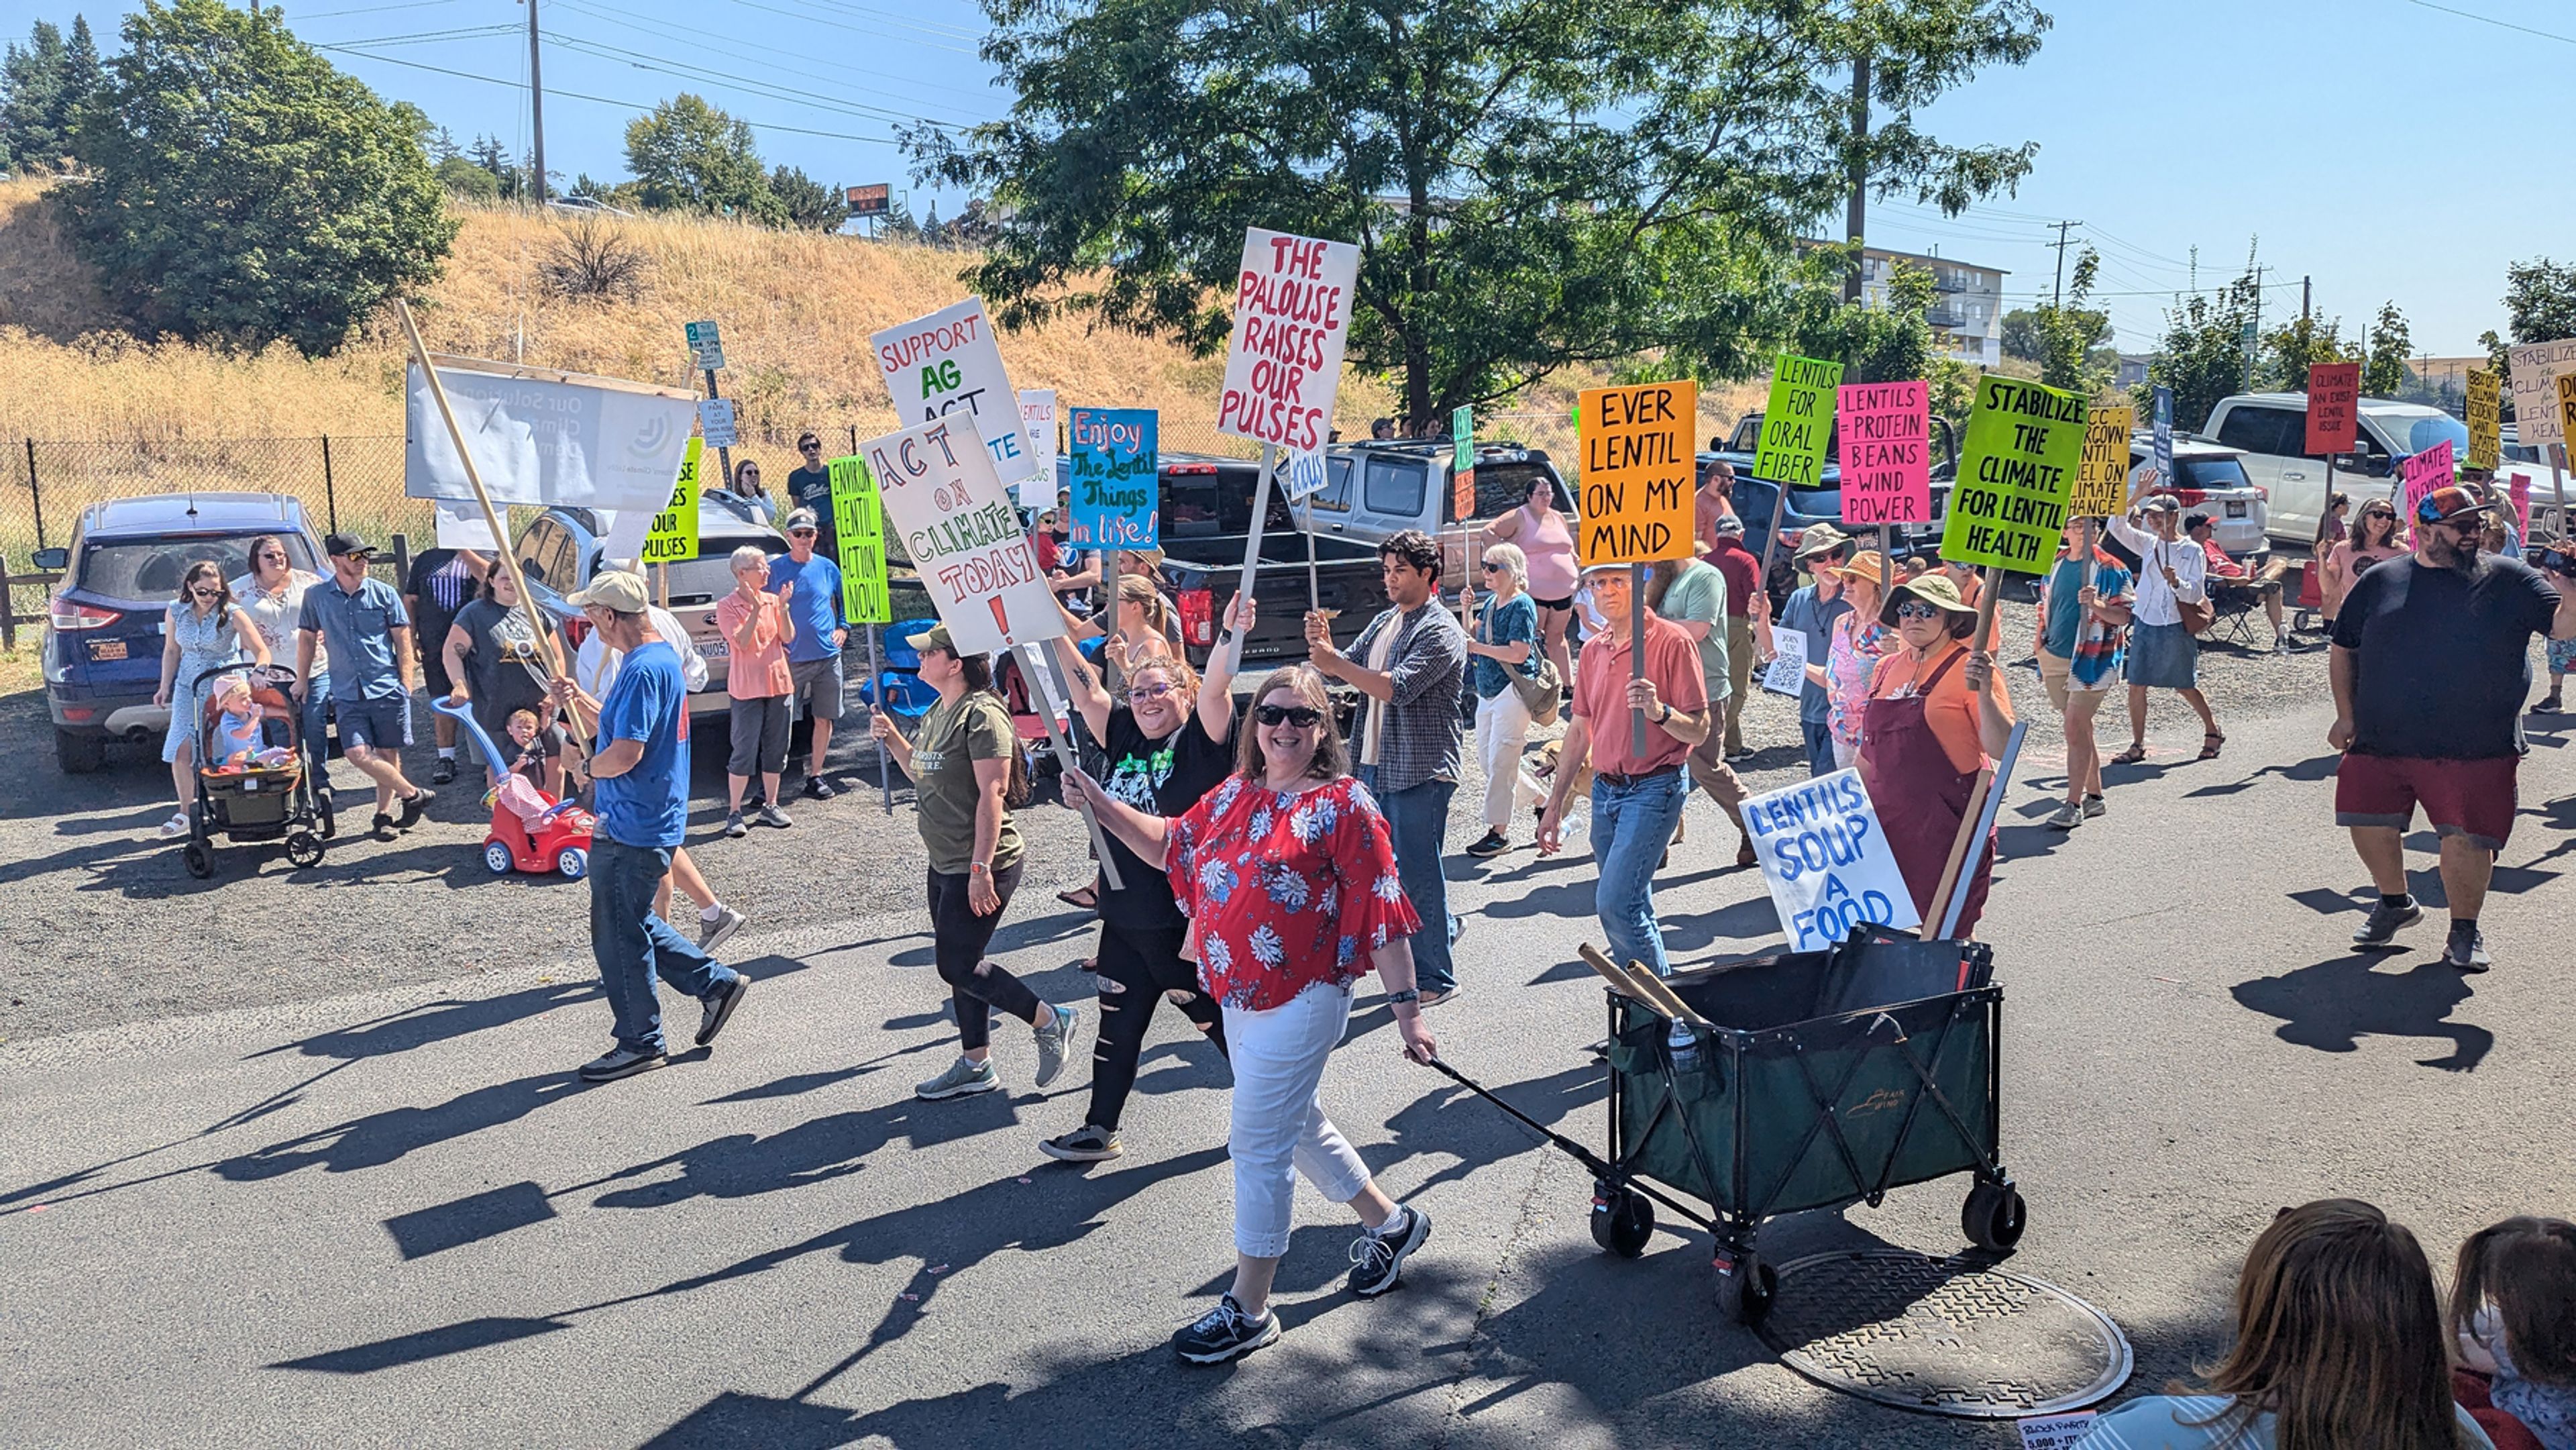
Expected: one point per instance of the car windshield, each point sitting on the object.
(151, 568)
(2415, 432)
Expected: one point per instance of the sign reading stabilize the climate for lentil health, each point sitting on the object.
(1638, 472)
(2024, 444)
(1795, 420)
(859, 525)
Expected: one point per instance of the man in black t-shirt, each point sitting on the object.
(2431, 665)
(442, 582)
(810, 486)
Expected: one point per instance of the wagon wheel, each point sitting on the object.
(1622, 1220)
(304, 849)
(199, 861)
(1994, 1216)
(1745, 1293)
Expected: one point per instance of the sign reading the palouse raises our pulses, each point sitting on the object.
(859, 524)
(1638, 472)
(673, 538)
(1112, 471)
(2008, 510)
(1794, 422)
(1292, 315)
(963, 535)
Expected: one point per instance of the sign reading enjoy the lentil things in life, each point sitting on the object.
(1883, 434)
(1638, 472)
(964, 538)
(2008, 510)
(1112, 472)
(1791, 449)
(1292, 315)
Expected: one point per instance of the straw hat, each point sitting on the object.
(1935, 589)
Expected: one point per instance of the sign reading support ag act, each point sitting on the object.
(946, 363)
(1791, 449)
(2102, 481)
(859, 524)
(674, 535)
(1113, 473)
(2334, 398)
(1292, 315)
(1826, 860)
(1883, 432)
(1638, 472)
(964, 537)
(2015, 471)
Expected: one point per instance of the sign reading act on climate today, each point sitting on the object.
(963, 536)
(1638, 472)
(2016, 469)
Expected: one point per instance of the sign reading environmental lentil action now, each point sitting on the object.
(963, 536)
(1638, 472)
(1796, 420)
(947, 363)
(858, 521)
(1826, 861)
(1113, 472)
(1883, 434)
(2025, 442)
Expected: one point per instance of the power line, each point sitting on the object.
(766, 89)
(427, 37)
(2491, 20)
(870, 32)
(373, 9)
(710, 40)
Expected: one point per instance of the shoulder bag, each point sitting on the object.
(1540, 689)
(2197, 614)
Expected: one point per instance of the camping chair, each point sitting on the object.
(2235, 603)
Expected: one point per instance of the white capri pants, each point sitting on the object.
(1279, 1126)
(1502, 728)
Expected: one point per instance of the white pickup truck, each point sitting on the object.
(2272, 431)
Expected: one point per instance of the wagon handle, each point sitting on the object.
(1577, 1151)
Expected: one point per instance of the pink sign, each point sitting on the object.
(2520, 492)
(1883, 444)
(2425, 472)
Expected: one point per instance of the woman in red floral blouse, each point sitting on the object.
(1287, 874)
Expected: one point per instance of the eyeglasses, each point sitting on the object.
(1916, 609)
(1304, 717)
(1148, 692)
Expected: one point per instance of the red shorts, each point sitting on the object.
(2472, 798)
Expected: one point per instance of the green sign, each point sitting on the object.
(1796, 421)
(2016, 468)
(859, 524)
(674, 536)
(1462, 437)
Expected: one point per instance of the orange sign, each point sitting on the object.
(1638, 472)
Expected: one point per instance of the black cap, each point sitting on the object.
(2193, 521)
(336, 545)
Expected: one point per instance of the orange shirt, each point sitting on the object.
(1601, 695)
(1949, 707)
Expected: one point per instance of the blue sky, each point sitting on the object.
(2390, 149)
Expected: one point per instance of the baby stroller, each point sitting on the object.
(268, 797)
(531, 830)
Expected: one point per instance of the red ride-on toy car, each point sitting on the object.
(560, 840)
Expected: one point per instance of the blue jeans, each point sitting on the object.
(632, 945)
(1631, 826)
(316, 720)
(1819, 737)
(1418, 818)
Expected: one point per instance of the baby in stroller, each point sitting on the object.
(235, 728)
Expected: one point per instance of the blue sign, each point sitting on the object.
(1114, 472)
(2164, 438)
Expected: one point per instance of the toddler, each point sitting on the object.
(236, 723)
(2513, 1321)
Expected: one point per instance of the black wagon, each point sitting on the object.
(1816, 1080)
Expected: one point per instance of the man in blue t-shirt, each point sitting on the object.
(360, 622)
(640, 759)
(2084, 622)
(814, 655)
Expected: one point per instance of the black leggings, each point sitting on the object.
(957, 941)
(1148, 964)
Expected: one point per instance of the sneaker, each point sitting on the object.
(715, 933)
(2280, 644)
(734, 825)
(1055, 1044)
(620, 1062)
(2068, 817)
(962, 1078)
(1378, 1256)
(177, 826)
(1492, 843)
(383, 826)
(2381, 928)
(1223, 1332)
(2094, 806)
(2550, 704)
(1745, 854)
(2466, 950)
(1086, 1144)
(1738, 757)
(717, 1009)
(819, 788)
(444, 771)
(771, 815)
(413, 805)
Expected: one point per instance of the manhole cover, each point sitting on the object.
(1944, 1336)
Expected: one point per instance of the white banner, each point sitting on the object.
(1037, 414)
(462, 526)
(2535, 370)
(964, 537)
(1292, 314)
(540, 440)
(1826, 861)
(1305, 474)
(1787, 672)
(937, 365)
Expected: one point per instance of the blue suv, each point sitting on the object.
(102, 655)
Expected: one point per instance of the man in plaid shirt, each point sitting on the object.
(1411, 663)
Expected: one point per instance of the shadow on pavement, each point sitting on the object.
(2331, 1006)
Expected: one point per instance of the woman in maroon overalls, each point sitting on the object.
(1937, 714)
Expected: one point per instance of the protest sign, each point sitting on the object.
(706, 346)
(937, 485)
(2486, 419)
(1638, 472)
(2163, 426)
(2566, 410)
(1462, 463)
(2334, 407)
(2008, 508)
(715, 422)
(859, 524)
(1826, 861)
(462, 526)
(1883, 434)
(1037, 414)
(673, 536)
(542, 438)
(1307, 474)
(1292, 315)
(1791, 449)
(2535, 369)
(2056, 1432)
(1112, 470)
(1787, 672)
(946, 363)
(2425, 472)
(2517, 488)
(2102, 478)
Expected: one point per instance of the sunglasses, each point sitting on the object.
(1304, 717)
(1491, 568)
(273, 556)
(1916, 609)
(1149, 692)
(800, 533)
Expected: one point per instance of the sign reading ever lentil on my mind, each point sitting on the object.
(2024, 443)
(1638, 472)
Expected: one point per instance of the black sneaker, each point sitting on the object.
(414, 804)
(1223, 1332)
(444, 771)
(383, 827)
(1086, 1144)
(734, 825)
(2381, 928)
(1379, 1256)
(2466, 950)
(1492, 843)
(718, 1008)
(620, 1062)
(819, 788)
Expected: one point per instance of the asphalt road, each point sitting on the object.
(391, 1218)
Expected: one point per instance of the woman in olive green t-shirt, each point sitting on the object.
(965, 766)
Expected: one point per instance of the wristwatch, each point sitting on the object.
(1666, 716)
(1409, 994)
(979, 868)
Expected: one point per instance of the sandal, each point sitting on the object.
(2130, 756)
(2209, 742)
(1082, 898)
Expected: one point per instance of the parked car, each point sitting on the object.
(2209, 479)
(1823, 504)
(102, 646)
(2271, 431)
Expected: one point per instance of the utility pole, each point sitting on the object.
(2306, 284)
(1854, 213)
(537, 105)
(2058, 298)
(2254, 329)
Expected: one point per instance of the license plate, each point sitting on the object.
(713, 649)
(2235, 509)
(107, 649)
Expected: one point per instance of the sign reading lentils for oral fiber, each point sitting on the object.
(1883, 434)
(964, 537)
(1795, 421)
(2485, 419)
(1638, 472)
(2334, 397)
(2102, 479)
(2025, 442)
(859, 523)
(947, 363)
(1112, 473)
(1292, 315)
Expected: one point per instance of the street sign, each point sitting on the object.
(715, 420)
(706, 346)
(869, 200)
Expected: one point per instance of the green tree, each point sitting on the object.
(1531, 183)
(2383, 371)
(2203, 356)
(41, 85)
(488, 154)
(465, 179)
(2021, 334)
(241, 189)
(2069, 333)
(690, 156)
(1888, 340)
(2540, 300)
(2289, 350)
(807, 202)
